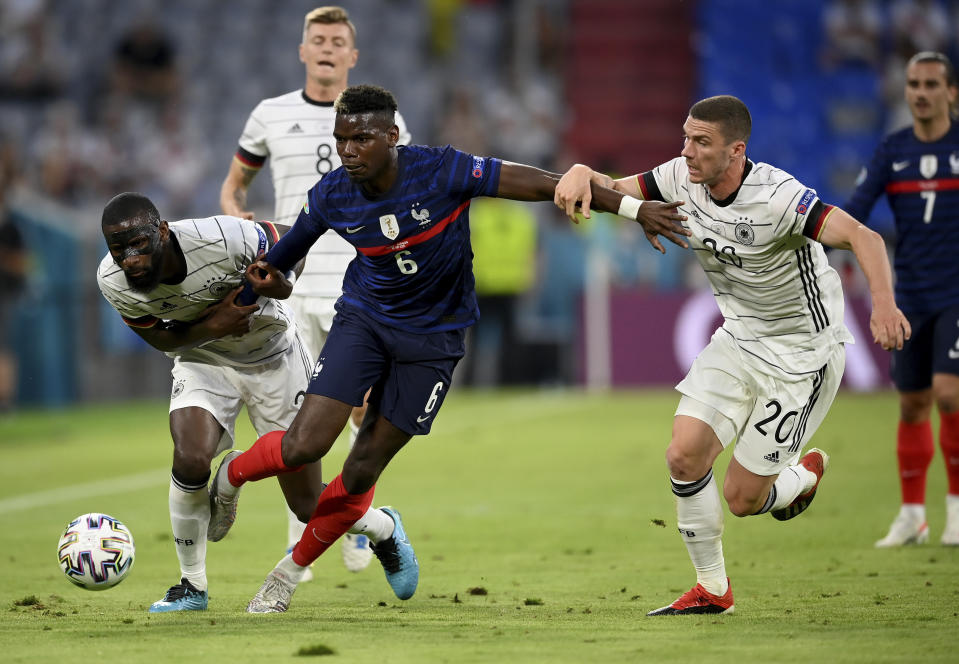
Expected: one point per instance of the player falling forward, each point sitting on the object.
(407, 300)
(174, 284)
(917, 168)
(295, 131)
(770, 373)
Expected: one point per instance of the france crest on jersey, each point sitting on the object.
(414, 265)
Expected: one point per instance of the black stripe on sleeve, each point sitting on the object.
(813, 217)
(649, 187)
(250, 159)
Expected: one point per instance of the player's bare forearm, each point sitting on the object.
(233, 192)
(221, 319)
(174, 336)
(887, 323)
(520, 182)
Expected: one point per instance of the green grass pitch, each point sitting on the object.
(545, 530)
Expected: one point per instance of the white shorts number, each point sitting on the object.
(431, 402)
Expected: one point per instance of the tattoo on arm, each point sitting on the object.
(247, 175)
(239, 197)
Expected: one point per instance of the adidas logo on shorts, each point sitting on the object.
(772, 457)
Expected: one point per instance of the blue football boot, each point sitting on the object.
(398, 559)
(181, 597)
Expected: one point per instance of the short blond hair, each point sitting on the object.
(329, 15)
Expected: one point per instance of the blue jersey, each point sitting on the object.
(413, 268)
(921, 181)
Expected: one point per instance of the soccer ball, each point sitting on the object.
(96, 551)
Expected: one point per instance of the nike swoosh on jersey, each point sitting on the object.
(422, 419)
(899, 165)
(355, 230)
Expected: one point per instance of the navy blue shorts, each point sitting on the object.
(409, 373)
(933, 348)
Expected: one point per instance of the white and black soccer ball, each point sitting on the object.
(96, 551)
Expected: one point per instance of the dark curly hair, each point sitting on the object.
(365, 99)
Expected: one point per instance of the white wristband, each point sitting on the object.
(291, 277)
(629, 207)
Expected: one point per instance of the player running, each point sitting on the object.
(407, 300)
(295, 131)
(174, 284)
(770, 373)
(918, 170)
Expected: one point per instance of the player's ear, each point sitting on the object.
(739, 149)
(356, 55)
(299, 50)
(393, 136)
(164, 229)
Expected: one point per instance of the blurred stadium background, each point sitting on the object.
(103, 96)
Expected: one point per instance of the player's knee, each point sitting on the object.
(915, 407)
(360, 474)
(191, 466)
(683, 465)
(296, 449)
(947, 397)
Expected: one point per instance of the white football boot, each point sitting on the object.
(909, 527)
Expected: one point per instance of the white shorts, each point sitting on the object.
(272, 392)
(771, 417)
(314, 316)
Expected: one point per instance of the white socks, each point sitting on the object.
(190, 516)
(354, 430)
(375, 524)
(792, 481)
(290, 569)
(915, 512)
(294, 528)
(699, 516)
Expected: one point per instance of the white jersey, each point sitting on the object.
(296, 133)
(780, 299)
(217, 252)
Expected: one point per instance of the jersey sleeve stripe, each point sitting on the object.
(648, 187)
(249, 159)
(143, 322)
(419, 238)
(816, 221)
(271, 231)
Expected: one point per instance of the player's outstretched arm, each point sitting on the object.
(234, 189)
(574, 191)
(526, 183)
(889, 326)
(225, 318)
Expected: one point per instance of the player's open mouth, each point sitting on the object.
(325, 63)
